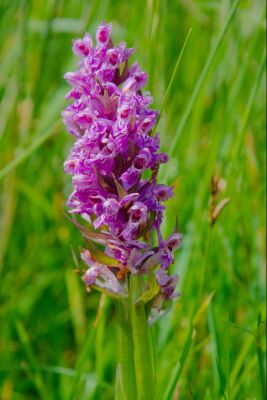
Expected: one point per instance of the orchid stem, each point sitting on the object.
(126, 382)
(144, 370)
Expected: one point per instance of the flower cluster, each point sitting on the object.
(114, 164)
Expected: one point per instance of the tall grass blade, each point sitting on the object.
(260, 356)
(26, 153)
(26, 345)
(249, 106)
(171, 80)
(202, 76)
(179, 366)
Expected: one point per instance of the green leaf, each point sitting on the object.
(152, 291)
(98, 237)
(121, 191)
(99, 256)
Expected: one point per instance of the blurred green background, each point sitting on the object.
(211, 343)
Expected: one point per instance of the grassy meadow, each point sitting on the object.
(58, 342)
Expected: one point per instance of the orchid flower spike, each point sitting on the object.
(114, 164)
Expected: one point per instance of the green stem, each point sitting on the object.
(145, 380)
(126, 384)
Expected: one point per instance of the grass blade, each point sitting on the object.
(250, 103)
(33, 363)
(202, 76)
(25, 153)
(260, 356)
(179, 366)
(172, 80)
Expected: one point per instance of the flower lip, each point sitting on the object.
(161, 195)
(70, 165)
(125, 112)
(140, 162)
(142, 159)
(90, 276)
(113, 56)
(82, 47)
(129, 85)
(163, 192)
(81, 180)
(136, 215)
(138, 212)
(102, 33)
(174, 241)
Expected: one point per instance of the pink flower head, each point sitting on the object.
(114, 164)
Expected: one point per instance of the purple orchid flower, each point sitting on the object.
(112, 121)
